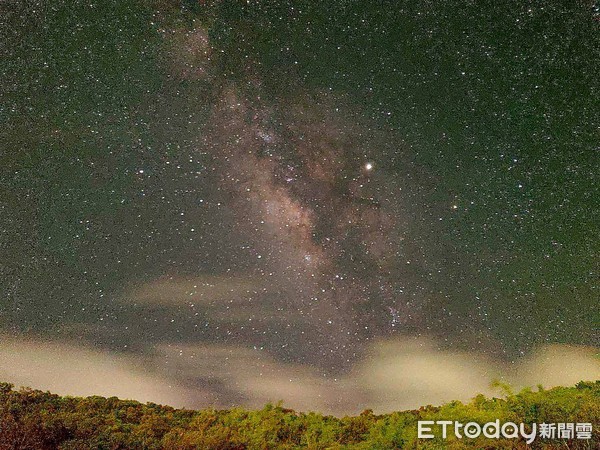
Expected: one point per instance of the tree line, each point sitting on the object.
(36, 420)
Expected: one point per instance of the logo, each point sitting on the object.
(427, 429)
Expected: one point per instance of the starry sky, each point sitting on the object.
(204, 200)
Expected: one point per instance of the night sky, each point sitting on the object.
(230, 202)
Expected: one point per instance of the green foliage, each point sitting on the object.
(31, 419)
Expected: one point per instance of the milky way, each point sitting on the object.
(309, 192)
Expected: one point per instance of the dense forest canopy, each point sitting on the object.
(35, 420)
